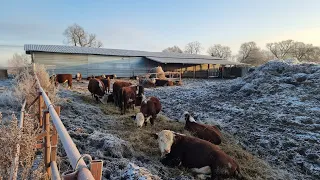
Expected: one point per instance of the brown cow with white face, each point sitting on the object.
(199, 155)
(62, 78)
(150, 108)
(78, 77)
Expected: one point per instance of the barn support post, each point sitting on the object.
(194, 71)
(208, 71)
(46, 129)
(54, 138)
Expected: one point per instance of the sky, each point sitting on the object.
(152, 25)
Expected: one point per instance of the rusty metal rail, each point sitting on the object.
(70, 148)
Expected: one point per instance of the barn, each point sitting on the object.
(126, 63)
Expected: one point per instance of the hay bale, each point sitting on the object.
(159, 71)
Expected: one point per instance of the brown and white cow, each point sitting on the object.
(200, 156)
(62, 78)
(203, 131)
(127, 98)
(150, 107)
(78, 77)
(97, 89)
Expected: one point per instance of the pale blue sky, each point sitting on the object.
(154, 25)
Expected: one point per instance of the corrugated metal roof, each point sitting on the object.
(109, 52)
(192, 61)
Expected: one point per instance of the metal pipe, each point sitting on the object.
(15, 161)
(69, 146)
(55, 175)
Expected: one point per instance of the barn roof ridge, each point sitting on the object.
(111, 52)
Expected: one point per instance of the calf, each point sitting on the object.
(62, 78)
(202, 131)
(97, 89)
(106, 83)
(149, 109)
(78, 77)
(116, 90)
(199, 155)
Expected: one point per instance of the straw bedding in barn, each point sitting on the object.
(99, 129)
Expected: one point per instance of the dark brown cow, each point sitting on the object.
(161, 82)
(78, 77)
(202, 131)
(62, 78)
(97, 89)
(199, 155)
(116, 90)
(106, 83)
(149, 109)
(127, 97)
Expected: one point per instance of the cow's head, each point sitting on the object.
(153, 80)
(103, 76)
(114, 76)
(139, 118)
(165, 139)
(188, 117)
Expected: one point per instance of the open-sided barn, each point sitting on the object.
(124, 63)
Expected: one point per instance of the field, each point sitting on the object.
(270, 123)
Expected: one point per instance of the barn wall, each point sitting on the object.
(3, 74)
(63, 63)
(89, 65)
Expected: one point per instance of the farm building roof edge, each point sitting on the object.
(161, 57)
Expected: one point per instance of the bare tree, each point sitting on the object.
(246, 49)
(18, 62)
(220, 51)
(174, 49)
(301, 50)
(250, 53)
(281, 49)
(193, 48)
(76, 36)
(313, 56)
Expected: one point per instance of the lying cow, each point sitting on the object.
(149, 109)
(161, 82)
(97, 89)
(62, 78)
(202, 131)
(148, 83)
(78, 77)
(199, 155)
(116, 90)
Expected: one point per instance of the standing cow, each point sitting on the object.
(199, 155)
(116, 90)
(97, 88)
(62, 78)
(106, 83)
(150, 108)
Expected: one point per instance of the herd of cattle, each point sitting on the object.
(200, 153)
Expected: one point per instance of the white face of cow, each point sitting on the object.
(153, 80)
(165, 140)
(188, 117)
(114, 76)
(103, 76)
(139, 119)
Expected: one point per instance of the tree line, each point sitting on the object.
(248, 53)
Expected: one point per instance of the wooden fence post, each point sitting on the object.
(54, 138)
(41, 105)
(46, 128)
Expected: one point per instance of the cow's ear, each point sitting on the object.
(155, 135)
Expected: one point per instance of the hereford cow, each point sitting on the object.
(106, 83)
(97, 89)
(148, 83)
(149, 109)
(111, 76)
(116, 90)
(206, 132)
(170, 83)
(127, 97)
(62, 78)
(199, 155)
(78, 77)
